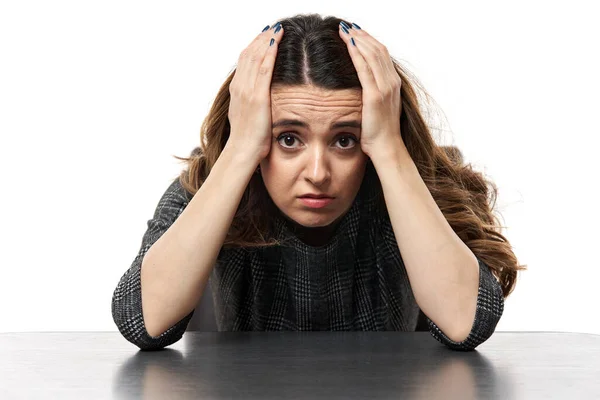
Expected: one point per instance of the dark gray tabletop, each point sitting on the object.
(309, 365)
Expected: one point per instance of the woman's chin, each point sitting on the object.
(311, 219)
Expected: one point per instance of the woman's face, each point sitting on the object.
(316, 157)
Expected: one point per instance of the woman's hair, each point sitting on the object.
(312, 53)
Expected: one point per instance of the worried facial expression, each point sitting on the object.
(315, 149)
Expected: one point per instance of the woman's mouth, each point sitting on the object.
(314, 202)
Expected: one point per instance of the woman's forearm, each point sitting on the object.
(175, 270)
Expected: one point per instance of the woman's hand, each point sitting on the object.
(250, 90)
(380, 126)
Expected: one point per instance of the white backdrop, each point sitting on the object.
(96, 97)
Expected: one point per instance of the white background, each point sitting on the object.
(97, 97)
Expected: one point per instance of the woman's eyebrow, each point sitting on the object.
(295, 122)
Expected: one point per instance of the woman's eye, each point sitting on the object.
(344, 141)
(289, 141)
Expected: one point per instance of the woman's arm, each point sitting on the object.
(178, 253)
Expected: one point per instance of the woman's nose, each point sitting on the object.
(318, 170)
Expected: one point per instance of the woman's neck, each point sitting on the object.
(314, 236)
(317, 236)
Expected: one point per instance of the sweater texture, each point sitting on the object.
(357, 281)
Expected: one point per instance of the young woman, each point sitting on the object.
(318, 200)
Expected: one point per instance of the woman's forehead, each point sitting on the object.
(310, 92)
(305, 105)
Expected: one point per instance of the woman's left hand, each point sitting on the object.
(380, 126)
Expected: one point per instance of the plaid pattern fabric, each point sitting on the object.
(357, 281)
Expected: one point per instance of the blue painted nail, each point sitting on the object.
(278, 29)
(345, 30)
(266, 27)
(352, 40)
(276, 25)
(345, 25)
(356, 26)
(272, 41)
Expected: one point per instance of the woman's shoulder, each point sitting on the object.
(176, 191)
(172, 202)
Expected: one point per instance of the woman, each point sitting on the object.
(318, 200)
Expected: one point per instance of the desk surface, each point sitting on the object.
(311, 365)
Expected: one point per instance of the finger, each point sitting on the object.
(365, 75)
(379, 49)
(264, 73)
(251, 58)
(377, 57)
(261, 50)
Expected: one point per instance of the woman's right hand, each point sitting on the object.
(250, 91)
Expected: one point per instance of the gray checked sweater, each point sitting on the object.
(357, 281)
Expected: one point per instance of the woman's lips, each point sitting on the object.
(316, 202)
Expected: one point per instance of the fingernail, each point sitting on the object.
(278, 28)
(352, 40)
(345, 30)
(276, 25)
(272, 41)
(345, 25)
(266, 27)
(356, 26)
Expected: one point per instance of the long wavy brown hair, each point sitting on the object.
(312, 53)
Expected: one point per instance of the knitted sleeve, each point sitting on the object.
(490, 305)
(490, 300)
(127, 297)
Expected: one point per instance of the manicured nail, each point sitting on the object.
(345, 30)
(352, 40)
(272, 41)
(345, 25)
(355, 26)
(266, 27)
(278, 28)
(276, 25)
